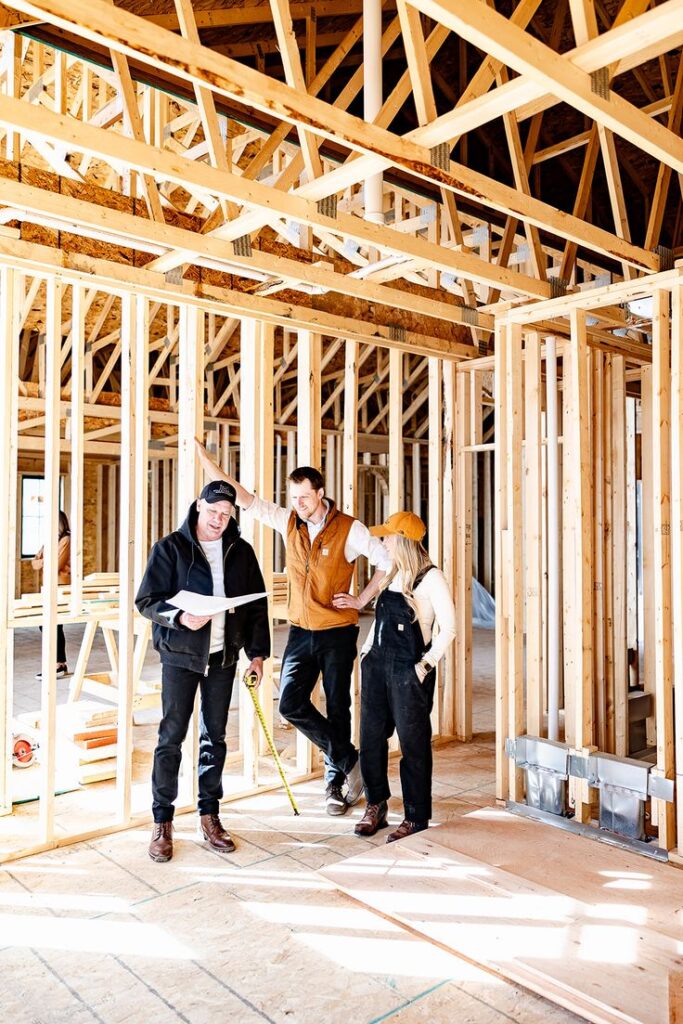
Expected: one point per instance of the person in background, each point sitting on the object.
(322, 544)
(63, 577)
(206, 556)
(398, 672)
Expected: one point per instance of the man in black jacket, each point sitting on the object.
(206, 556)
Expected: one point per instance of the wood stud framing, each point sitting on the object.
(9, 302)
(599, 468)
(375, 361)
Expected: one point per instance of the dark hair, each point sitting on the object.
(314, 477)
(64, 528)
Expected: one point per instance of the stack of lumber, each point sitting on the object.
(87, 734)
(94, 750)
(99, 590)
(280, 586)
(105, 685)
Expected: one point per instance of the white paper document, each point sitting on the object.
(202, 604)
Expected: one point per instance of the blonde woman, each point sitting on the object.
(398, 663)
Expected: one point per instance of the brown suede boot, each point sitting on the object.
(214, 833)
(373, 820)
(161, 846)
(407, 828)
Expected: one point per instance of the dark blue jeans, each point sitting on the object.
(178, 689)
(332, 652)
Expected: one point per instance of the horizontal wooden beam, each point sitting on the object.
(593, 299)
(259, 14)
(117, 277)
(95, 220)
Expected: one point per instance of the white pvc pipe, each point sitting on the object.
(553, 542)
(278, 499)
(417, 479)
(372, 97)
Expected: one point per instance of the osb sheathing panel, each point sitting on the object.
(90, 523)
(29, 580)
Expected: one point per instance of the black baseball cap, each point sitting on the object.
(219, 490)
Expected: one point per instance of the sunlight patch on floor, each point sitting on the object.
(608, 944)
(320, 916)
(124, 938)
(271, 879)
(395, 957)
(93, 903)
(618, 912)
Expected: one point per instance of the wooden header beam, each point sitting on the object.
(592, 298)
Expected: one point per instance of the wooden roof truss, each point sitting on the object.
(232, 171)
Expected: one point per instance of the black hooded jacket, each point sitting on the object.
(177, 562)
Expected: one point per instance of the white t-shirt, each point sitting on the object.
(213, 549)
(359, 541)
(434, 604)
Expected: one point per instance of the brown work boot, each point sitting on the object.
(214, 833)
(373, 820)
(407, 828)
(161, 846)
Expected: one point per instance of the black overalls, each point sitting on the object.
(393, 697)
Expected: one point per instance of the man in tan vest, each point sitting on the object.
(322, 545)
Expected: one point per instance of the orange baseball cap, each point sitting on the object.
(405, 524)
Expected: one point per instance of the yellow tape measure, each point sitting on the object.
(251, 683)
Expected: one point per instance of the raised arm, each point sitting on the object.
(265, 511)
(214, 472)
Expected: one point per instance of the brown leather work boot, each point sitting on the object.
(407, 828)
(161, 846)
(373, 820)
(214, 833)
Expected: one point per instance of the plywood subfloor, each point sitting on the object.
(97, 932)
(593, 928)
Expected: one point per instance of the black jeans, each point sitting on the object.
(308, 653)
(392, 697)
(61, 644)
(178, 689)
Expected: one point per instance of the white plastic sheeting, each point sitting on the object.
(483, 607)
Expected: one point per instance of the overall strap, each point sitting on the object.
(421, 575)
